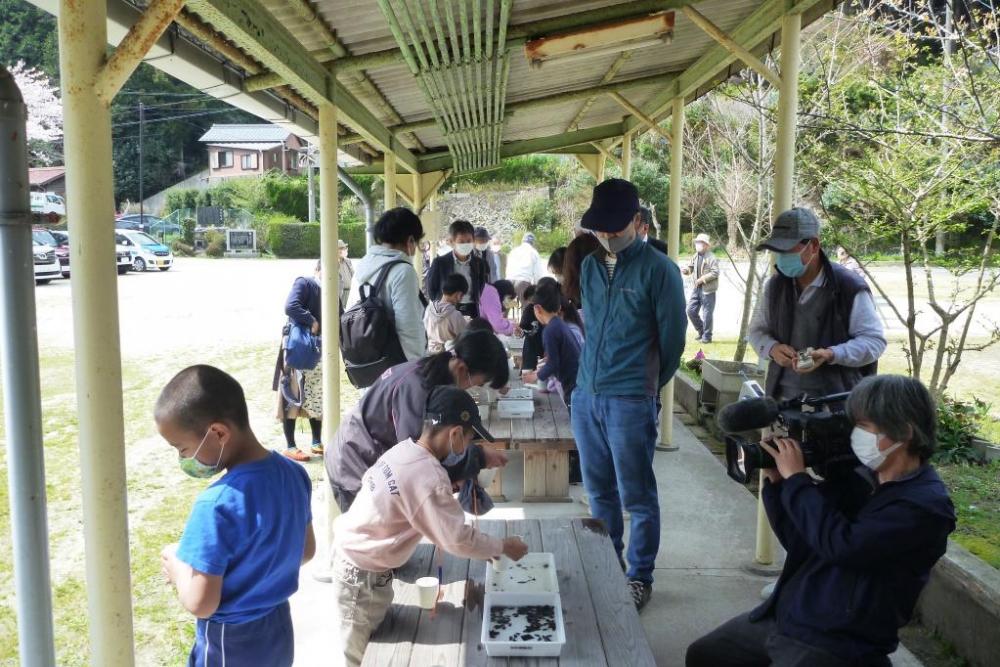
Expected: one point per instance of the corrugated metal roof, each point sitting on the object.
(361, 28)
(45, 175)
(230, 133)
(246, 146)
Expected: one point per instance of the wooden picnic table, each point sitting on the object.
(602, 625)
(546, 440)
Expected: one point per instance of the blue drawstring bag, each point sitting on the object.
(302, 350)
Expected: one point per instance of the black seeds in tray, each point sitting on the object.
(540, 618)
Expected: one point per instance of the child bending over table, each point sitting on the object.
(405, 496)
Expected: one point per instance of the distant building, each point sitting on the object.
(251, 150)
(48, 179)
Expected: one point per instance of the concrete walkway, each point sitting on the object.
(707, 542)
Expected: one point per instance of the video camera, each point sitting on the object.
(820, 425)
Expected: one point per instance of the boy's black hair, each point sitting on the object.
(200, 395)
(482, 352)
(505, 288)
(461, 227)
(529, 292)
(548, 297)
(453, 283)
(397, 226)
(479, 324)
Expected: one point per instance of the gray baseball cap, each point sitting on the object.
(790, 228)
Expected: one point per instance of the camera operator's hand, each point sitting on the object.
(772, 475)
(787, 454)
(783, 355)
(819, 357)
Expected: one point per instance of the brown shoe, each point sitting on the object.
(295, 454)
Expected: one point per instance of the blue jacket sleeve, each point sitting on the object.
(888, 532)
(296, 306)
(551, 340)
(671, 321)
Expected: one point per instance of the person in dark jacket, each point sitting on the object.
(633, 315)
(300, 392)
(392, 410)
(462, 259)
(813, 303)
(643, 226)
(490, 256)
(860, 548)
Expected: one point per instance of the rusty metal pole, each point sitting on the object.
(83, 47)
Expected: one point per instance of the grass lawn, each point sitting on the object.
(975, 490)
(159, 499)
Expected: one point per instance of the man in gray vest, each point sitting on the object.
(811, 302)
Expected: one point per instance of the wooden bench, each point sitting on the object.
(602, 625)
(546, 440)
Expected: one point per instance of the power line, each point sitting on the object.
(170, 118)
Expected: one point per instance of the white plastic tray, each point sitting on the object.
(535, 573)
(503, 645)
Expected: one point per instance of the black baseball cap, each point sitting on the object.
(450, 406)
(790, 228)
(613, 206)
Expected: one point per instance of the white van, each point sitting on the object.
(47, 202)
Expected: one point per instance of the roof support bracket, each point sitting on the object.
(608, 155)
(638, 113)
(263, 82)
(731, 45)
(130, 51)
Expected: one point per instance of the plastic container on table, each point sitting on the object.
(517, 404)
(500, 647)
(535, 573)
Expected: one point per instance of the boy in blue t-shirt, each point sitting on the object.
(249, 532)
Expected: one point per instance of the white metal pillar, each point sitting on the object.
(673, 243)
(627, 157)
(784, 198)
(389, 179)
(83, 47)
(418, 205)
(330, 303)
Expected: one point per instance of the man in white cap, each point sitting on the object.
(524, 265)
(705, 269)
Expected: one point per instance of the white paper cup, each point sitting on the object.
(486, 476)
(427, 587)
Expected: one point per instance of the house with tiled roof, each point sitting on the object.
(48, 179)
(251, 150)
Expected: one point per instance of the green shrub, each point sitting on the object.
(181, 198)
(354, 236)
(287, 194)
(182, 249)
(545, 242)
(535, 214)
(292, 239)
(957, 425)
(187, 230)
(215, 243)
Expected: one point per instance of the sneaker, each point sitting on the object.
(295, 454)
(317, 449)
(705, 339)
(641, 592)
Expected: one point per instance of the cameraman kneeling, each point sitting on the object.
(858, 556)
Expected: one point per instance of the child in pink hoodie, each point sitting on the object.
(404, 497)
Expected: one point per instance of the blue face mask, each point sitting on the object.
(790, 264)
(195, 468)
(452, 458)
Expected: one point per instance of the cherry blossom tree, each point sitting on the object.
(45, 114)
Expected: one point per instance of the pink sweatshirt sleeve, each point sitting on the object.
(441, 520)
(490, 308)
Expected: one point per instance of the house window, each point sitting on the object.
(249, 161)
(224, 159)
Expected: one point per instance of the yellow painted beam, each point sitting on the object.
(638, 113)
(133, 48)
(731, 45)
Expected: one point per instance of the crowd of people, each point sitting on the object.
(604, 323)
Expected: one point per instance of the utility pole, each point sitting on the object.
(142, 117)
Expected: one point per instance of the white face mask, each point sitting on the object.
(865, 446)
(481, 247)
(463, 249)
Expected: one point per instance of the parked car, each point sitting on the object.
(46, 264)
(164, 228)
(142, 222)
(148, 253)
(47, 202)
(59, 241)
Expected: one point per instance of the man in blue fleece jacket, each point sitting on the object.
(633, 300)
(860, 545)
